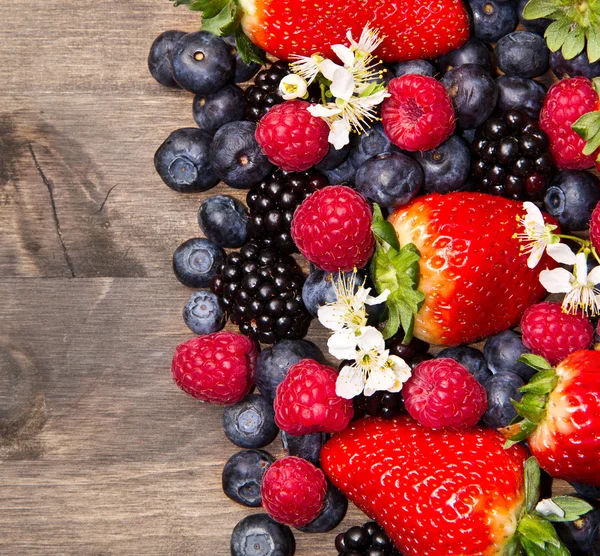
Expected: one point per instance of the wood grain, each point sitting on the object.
(100, 454)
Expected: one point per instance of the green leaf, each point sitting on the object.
(556, 34)
(393, 322)
(535, 9)
(209, 8)
(532, 483)
(574, 43)
(249, 52)
(525, 428)
(573, 507)
(225, 22)
(542, 382)
(532, 407)
(592, 35)
(535, 362)
(588, 128)
(383, 230)
(538, 531)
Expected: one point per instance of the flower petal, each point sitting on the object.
(350, 382)
(549, 507)
(371, 339)
(324, 111)
(561, 253)
(381, 379)
(342, 84)
(379, 299)
(342, 344)
(557, 280)
(402, 371)
(594, 275)
(581, 269)
(332, 316)
(535, 256)
(328, 67)
(533, 213)
(292, 86)
(339, 133)
(344, 54)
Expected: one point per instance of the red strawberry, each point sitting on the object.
(436, 493)
(472, 271)
(415, 29)
(563, 428)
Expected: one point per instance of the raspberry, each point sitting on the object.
(293, 491)
(595, 227)
(418, 116)
(291, 137)
(306, 401)
(332, 229)
(553, 334)
(441, 393)
(565, 103)
(217, 368)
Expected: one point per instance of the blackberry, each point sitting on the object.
(261, 291)
(272, 203)
(511, 157)
(368, 540)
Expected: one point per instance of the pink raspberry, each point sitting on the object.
(441, 393)
(293, 491)
(553, 334)
(595, 226)
(217, 368)
(306, 401)
(291, 137)
(332, 229)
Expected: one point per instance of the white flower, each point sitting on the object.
(339, 133)
(307, 67)
(293, 86)
(368, 41)
(549, 507)
(401, 370)
(537, 235)
(579, 288)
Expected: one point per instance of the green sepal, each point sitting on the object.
(535, 9)
(588, 128)
(209, 8)
(573, 507)
(181, 2)
(592, 36)
(225, 22)
(557, 34)
(383, 230)
(536, 362)
(542, 382)
(532, 407)
(248, 51)
(524, 429)
(574, 43)
(532, 483)
(537, 533)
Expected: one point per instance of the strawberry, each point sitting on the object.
(441, 493)
(560, 416)
(473, 273)
(412, 30)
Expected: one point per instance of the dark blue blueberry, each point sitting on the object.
(468, 135)
(445, 168)
(587, 491)
(419, 67)
(259, 535)
(183, 161)
(580, 65)
(389, 179)
(274, 363)
(203, 313)
(472, 52)
(581, 536)
(243, 71)
(243, 474)
(202, 62)
(571, 197)
(373, 141)
(523, 54)
(473, 93)
(333, 158)
(470, 358)
(196, 262)
(334, 509)
(492, 20)
(237, 157)
(501, 388)
(518, 93)
(250, 423)
(307, 447)
(502, 352)
(223, 220)
(538, 26)
(213, 111)
(342, 175)
(159, 59)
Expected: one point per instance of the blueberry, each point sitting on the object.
(333, 158)
(523, 54)
(343, 174)
(501, 388)
(518, 93)
(473, 93)
(389, 179)
(159, 59)
(472, 52)
(243, 71)
(243, 474)
(472, 359)
(371, 142)
(334, 509)
(307, 447)
(571, 197)
(538, 26)
(202, 62)
(274, 363)
(259, 535)
(224, 221)
(586, 491)
(445, 168)
(196, 262)
(580, 65)
(183, 163)
(250, 423)
(419, 67)
(580, 536)
(319, 289)
(502, 351)
(203, 313)
(492, 20)
(237, 157)
(214, 110)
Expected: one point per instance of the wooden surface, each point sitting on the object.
(100, 454)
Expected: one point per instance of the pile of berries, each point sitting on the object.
(367, 540)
